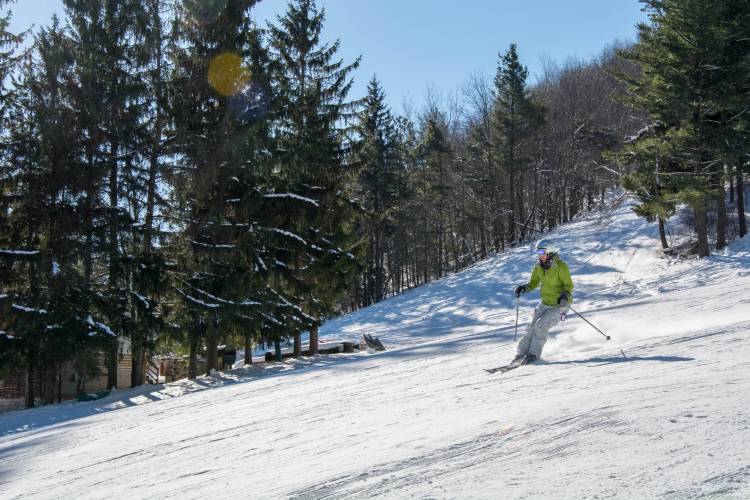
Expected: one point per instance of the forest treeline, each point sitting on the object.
(176, 174)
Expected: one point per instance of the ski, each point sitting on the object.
(506, 368)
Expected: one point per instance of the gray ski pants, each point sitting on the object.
(545, 317)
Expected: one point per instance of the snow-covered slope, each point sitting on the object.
(423, 419)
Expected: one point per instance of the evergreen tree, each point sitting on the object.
(145, 187)
(692, 55)
(46, 314)
(220, 98)
(109, 91)
(733, 135)
(381, 188)
(516, 119)
(650, 155)
(9, 58)
(316, 266)
(435, 189)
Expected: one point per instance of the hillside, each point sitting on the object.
(661, 410)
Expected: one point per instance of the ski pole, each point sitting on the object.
(515, 333)
(589, 322)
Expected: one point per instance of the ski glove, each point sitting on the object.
(563, 300)
(520, 289)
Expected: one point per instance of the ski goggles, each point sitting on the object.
(540, 252)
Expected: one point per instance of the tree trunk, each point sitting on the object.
(29, 396)
(193, 357)
(378, 260)
(59, 382)
(277, 349)
(88, 222)
(741, 203)
(156, 139)
(114, 265)
(136, 371)
(511, 229)
(212, 345)
(701, 231)
(50, 381)
(721, 217)
(314, 340)
(297, 344)
(521, 214)
(248, 350)
(663, 233)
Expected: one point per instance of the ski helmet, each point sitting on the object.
(545, 246)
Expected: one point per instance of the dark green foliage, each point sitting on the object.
(693, 57)
(315, 266)
(220, 105)
(381, 189)
(516, 120)
(46, 311)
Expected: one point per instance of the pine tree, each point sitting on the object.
(435, 190)
(516, 118)
(220, 98)
(733, 26)
(47, 314)
(315, 264)
(381, 188)
(691, 55)
(9, 56)
(145, 265)
(650, 154)
(109, 91)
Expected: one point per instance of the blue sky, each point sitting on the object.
(413, 44)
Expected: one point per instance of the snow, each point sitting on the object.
(20, 307)
(197, 301)
(289, 234)
(143, 299)
(8, 251)
(55, 268)
(670, 419)
(206, 245)
(246, 302)
(99, 326)
(293, 196)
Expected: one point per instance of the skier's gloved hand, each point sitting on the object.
(564, 300)
(520, 289)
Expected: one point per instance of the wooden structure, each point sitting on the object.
(59, 383)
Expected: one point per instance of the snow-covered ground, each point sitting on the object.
(670, 419)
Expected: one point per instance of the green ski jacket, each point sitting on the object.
(553, 281)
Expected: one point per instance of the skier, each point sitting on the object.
(553, 275)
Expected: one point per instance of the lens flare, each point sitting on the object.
(227, 75)
(249, 104)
